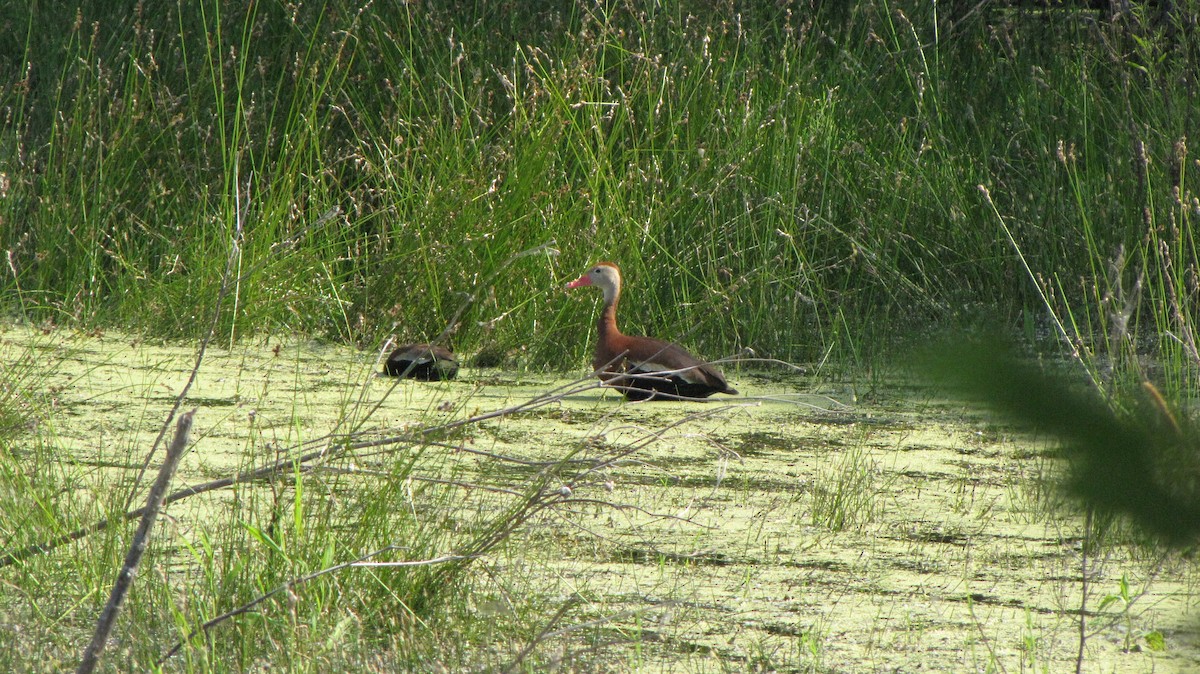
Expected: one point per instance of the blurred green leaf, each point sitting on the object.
(1138, 463)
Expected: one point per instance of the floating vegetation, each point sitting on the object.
(639, 514)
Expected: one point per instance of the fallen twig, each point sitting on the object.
(108, 616)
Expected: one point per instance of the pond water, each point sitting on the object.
(802, 526)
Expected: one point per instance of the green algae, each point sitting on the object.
(700, 550)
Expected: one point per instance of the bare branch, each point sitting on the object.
(141, 538)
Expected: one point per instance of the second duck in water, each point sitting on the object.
(427, 362)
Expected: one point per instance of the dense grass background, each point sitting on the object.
(800, 179)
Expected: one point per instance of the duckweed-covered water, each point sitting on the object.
(803, 526)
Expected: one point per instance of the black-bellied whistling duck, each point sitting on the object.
(422, 361)
(644, 368)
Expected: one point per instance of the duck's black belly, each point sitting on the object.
(642, 385)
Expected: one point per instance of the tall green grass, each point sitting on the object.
(232, 555)
(800, 181)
